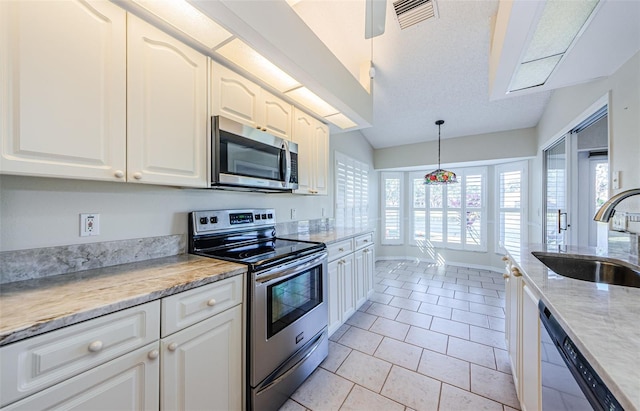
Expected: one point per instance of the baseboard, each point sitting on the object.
(451, 263)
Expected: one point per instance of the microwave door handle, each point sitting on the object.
(287, 169)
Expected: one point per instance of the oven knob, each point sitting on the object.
(257, 216)
(213, 220)
(203, 220)
(264, 216)
(270, 215)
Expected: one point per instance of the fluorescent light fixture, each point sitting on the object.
(557, 29)
(305, 97)
(186, 18)
(341, 121)
(244, 56)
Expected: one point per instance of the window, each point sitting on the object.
(352, 192)
(452, 216)
(391, 192)
(511, 180)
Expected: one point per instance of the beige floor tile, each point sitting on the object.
(483, 291)
(380, 298)
(446, 369)
(291, 405)
(390, 328)
(496, 302)
(502, 360)
(469, 297)
(456, 287)
(453, 303)
(455, 399)
(383, 310)
(339, 332)
(361, 399)
(365, 370)
(405, 303)
(399, 353)
(422, 296)
(361, 340)
(365, 306)
(470, 318)
(392, 283)
(454, 328)
(416, 287)
(472, 352)
(323, 391)
(493, 384)
(399, 292)
(441, 291)
(470, 283)
(427, 339)
(486, 309)
(496, 324)
(361, 320)
(337, 354)
(414, 318)
(412, 389)
(435, 310)
(488, 337)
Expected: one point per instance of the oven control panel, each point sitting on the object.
(204, 222)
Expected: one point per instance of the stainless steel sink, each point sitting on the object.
(594, 269)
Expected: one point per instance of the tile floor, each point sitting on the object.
(429, 338)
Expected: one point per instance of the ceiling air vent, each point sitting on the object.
(412, 12)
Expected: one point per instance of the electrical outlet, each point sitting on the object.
(89, 224)
(293, 213)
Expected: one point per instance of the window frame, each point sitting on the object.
(523, 167)
(350, 212)
(384, 176)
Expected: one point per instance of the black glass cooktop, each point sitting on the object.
(263, 252)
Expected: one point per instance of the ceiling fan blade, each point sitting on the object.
(375, 15)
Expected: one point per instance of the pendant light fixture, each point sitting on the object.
(440, 176)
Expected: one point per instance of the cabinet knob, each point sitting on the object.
(516, 272)
(505, 275)
(366, 241)
(341, 249)
(264, 129)
(95, 346)
(505, 258)
(153, 354)
(137, 175)
(211, 302)
(118, 173)
(173, 346)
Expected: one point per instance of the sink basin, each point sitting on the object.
(594, 269)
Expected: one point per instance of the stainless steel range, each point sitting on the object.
(286, 298)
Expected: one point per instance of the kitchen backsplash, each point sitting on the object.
(44, 262)
(34, 263)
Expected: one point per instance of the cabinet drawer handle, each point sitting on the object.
(95, 346)
(137, 175)
(516, 272)
(153, 354)
(366, 241)
(119, 174)
(341, 249)
(173, 346)
(211, 302)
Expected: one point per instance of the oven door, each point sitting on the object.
(248, 157)
(288, 308)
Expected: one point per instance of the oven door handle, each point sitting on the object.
(290, 269)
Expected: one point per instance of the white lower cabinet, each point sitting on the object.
(202, 365)
(118, 361)
(129, 382)
(350, 278)
(522, 334)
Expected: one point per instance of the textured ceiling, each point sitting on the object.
(437, 69)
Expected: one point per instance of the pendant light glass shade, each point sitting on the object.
(440, 176)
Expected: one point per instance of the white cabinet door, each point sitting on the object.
(202, 365)
(369, 270)
(275, 115)
(360, 275)
(167, 109)
(321, 158)
(233, 96)
(303, 136)
(513, 291)
(63, 102)
(334, 296)
(130, 382)
(530, 371)
(349, 286)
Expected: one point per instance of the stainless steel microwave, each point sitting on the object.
(245, 158)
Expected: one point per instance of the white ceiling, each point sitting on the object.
(439, 68)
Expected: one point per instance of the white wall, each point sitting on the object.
(42, 212)
(568, 106)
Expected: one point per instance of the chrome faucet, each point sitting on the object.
(607, 210)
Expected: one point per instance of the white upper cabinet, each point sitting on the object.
(312, 138)
(239, 99)
(63, 99)
(166, 109)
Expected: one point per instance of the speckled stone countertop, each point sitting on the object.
(33, 307)
(329, 236)
(602, 320)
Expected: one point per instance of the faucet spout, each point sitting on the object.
(607, 210)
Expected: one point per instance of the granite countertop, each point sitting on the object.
(328, 237)
(603, 320)
(33, 307)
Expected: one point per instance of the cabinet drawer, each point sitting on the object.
(187, 308)
(39, 362)
(364, 240)
(340, 249)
